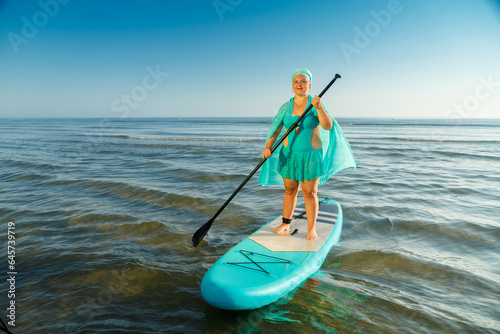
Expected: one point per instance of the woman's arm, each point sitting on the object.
(325, 120)
(267, 151)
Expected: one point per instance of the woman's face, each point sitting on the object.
(301, 85)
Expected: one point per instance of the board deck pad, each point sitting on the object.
(266, 237)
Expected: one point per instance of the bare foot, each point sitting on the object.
(311, 235)
(282, 228)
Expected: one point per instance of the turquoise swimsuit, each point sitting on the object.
(299, 160)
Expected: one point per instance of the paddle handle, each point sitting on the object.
(294, 125)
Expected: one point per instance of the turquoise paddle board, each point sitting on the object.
(266, 266)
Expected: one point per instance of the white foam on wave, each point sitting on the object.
(193, 139)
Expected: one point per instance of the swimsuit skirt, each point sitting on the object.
(299, 160)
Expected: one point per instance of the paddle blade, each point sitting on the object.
(202, 231)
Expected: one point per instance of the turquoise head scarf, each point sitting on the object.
(303, 71)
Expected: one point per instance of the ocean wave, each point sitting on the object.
(192, 139)
(468, 154)
(29, 165)
(390, 151)
(141, 195)
(94, 218)
(468, 123)
(435, 140)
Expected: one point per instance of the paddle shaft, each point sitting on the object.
(204, 229)
(4, 327)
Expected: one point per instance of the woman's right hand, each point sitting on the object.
(267, 153)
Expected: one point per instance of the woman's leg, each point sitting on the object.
(289, 201)
(310, 192)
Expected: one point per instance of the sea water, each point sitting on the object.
(100, 215)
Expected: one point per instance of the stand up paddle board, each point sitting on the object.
(266, 266)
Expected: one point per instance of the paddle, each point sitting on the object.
(4, 327)
(202, 231)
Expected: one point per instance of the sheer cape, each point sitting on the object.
(337, 154)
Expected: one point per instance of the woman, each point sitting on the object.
(310, 155)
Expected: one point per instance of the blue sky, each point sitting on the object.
(397, 58)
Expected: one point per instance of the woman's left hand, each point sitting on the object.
(325, 120)
(316, 102)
